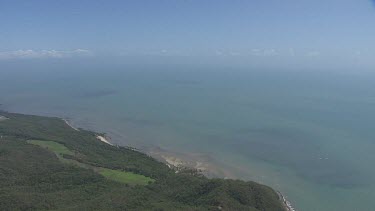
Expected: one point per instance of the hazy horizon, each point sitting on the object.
(328, 34)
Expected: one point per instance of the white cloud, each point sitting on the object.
(33, 54)
(264, 52)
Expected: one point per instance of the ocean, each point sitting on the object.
(309, 134)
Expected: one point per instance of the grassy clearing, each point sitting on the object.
(115, 175)
(125, 177)
(52, 146)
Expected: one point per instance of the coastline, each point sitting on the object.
(101, 138)
(69, 124)
(205, 164)
(287, 204)
(119, 164)
(104, 139)
(207, 168)
(201, 162)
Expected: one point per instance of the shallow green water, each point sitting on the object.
(309, 135)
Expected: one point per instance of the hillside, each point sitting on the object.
(47, 165)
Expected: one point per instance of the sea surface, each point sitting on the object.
(309, 134)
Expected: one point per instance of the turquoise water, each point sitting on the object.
(307, 134)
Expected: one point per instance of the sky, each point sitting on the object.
(255, 33)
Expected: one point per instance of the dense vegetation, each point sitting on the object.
(115, 175)
(32, 176)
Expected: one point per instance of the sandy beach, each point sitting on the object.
(70, 125)
(104, 139)
(99, 137)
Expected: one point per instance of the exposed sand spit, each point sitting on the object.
(103, 139)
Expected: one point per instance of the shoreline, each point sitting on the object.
(69, 124)
(201, 162)
(121, 165)
(204, 163)
(175, 161)
(286, 203)
(101, 138)
(104, 139)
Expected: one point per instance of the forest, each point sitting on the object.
(47, 165)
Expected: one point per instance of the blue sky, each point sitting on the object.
(315, 33)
